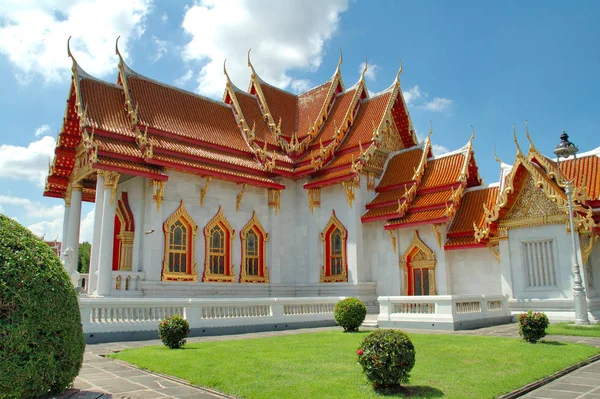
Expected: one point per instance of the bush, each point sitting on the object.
(532, 326)
(41, 338)
(350, 313)
(173, 331)
(387, 357)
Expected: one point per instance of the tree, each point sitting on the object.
(83, 264)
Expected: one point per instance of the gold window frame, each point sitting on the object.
(209, 276)
(425, 261)
(254, 224)
(336, 278)
(180, 214)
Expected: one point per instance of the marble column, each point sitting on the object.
(98, 207)
(65, 229)
(105, 257)
(73, 226)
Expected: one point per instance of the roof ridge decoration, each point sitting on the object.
(77, 76)
(464, 173)
(542, 182)
(420, 169)
(533, 153)
(321, 116)
(132, 112)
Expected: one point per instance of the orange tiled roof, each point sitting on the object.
(282, 105)
(128, 148)
(104, 104)
(418, 217)
(588, 166)
(310, 104)
(370, 110)
(431, 199)
(133, 167)
(159, 142)
(328, 175)
(471, 209)
(201, 167)
(442, 171)
(387, 196)
(401, 167)
(176, 111)
(385, 211)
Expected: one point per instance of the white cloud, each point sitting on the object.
(438, 104)
(161, 48)
(300, 85)
(185, 78)
(42, 130)
(28, 163)
(34, 210)
(86, 230)
(439, 149)
(2, 211)
(164, 18)
(33, 34)
(371, 69)
(283, 35)
(412, 95)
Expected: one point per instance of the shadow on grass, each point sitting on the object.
(555, 343)
(411, 391)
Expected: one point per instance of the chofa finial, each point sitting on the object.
(225, 70)
(69, 54)
(519, 152)
(362, 75)
(472, 134)
(430, 129)
(399, 71)
(496, 157)
(250, 62)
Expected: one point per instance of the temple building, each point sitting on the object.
(269, 194)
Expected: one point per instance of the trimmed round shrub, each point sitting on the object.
(41, 338)
(174, 331)
(387, 357)
(350, 313)
(532, 326)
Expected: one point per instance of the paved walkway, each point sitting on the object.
(101, 377)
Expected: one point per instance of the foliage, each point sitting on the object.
(174, 331)
(323, 365)
(571, 329)
(387, 357)
(41, 338)
(83, 263)
(350, 313)
(532, 326)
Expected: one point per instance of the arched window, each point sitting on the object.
(335, 266)
(418, 266)
(254, 249)
(218, 236)
(123, 235)
(180, 246)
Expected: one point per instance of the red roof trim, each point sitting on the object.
(408, 184)
(134, 172)
(460, 234)
(464, 246)
(426, 208)
(383, 204)
(129, 158)
(219, 175)
(328, 182)
(453, 186)
(380, 217)
(403, 225)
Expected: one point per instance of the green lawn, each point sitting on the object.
(570, 329)
(324, 365)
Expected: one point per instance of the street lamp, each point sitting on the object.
(565, 149)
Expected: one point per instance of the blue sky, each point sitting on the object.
(465, 63)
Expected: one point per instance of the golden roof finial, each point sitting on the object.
(430, 129)
(118, 52)
(472, 135)
(519, 152)
(531, 145)
(225, 71)
(69, 54)
(250, 63)
(496, 157)
(337, 70)
(397, 80)
(362, 75)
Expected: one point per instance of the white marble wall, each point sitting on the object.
(474, 271)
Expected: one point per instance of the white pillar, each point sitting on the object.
(98, 207)
(274, 248)
(107, 236)
(63, 243)
(73, 225)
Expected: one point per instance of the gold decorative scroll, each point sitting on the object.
(203, 190)
(314, 198)
(370, 181)
(111, 180)
(393, 238)
(438, 236)
(239, 197)
(274, 197)
(158, 189)
(349, 189)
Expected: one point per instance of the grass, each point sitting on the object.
(570, 329)
(324, 365)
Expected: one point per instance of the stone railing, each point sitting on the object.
(104, 315)
(448, 312)
(124, 282)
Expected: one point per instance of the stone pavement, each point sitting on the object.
(101, 377)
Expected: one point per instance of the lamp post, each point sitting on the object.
(565, 149)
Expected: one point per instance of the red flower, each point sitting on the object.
(359, 352)
(374, 384)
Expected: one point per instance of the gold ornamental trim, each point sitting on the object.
(209, 276)
(180, 214)
(421, 256)
(343, 277)
(254, 224)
